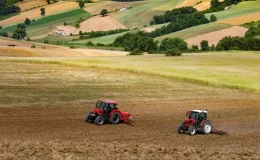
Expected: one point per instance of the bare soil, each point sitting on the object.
(243, 19)
(36, 124)
(109, 6)
(215, 37)
(29, 4)
(99, 23)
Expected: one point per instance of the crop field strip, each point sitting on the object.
(39, 26)
(229, 70)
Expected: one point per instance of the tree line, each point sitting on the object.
(87, 35)
(7, 7)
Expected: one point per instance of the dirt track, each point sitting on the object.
(52, 128)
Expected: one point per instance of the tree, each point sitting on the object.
(103, 12)
(48, 1)
(27, 21)
(194, 48)
(214, 3)
(173, 52)
(1, 27)
(170, 43)
(213, 18)
(204, 45)
(81, 4)
(19, 32)
(42, 11)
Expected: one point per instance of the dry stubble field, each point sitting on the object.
(42, 107)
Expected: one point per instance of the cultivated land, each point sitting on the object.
(215, 37)
(243, 19)
(108, 5)
(195, 31)
(42, 112)
(141, 14)
(31, 4)
(35, 13)
(100, 23)
(39, 27)
(243, 8)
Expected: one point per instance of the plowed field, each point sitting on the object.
(42, 109)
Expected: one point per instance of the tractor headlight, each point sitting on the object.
(130, 118)
(92, 114)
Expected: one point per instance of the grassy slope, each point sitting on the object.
(238, 70)
(104, 39)
(195, 31)
(242, 8)
(48, 24)
(141, 15)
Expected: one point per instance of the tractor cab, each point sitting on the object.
(106, 106)
(198, 115)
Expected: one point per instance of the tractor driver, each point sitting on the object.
(107, 110)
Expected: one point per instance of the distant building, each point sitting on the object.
(60, 32)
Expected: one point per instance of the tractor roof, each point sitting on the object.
(109, 101)
(199, 111)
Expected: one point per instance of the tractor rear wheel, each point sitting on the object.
(206, 128)
(192, 130)
(115, 118)
(100, 120)
(181, 128)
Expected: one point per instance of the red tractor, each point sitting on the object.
(107, 111)
(197, 122)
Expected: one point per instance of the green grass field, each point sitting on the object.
(104, 39)
(48, 23)
(236, 70)
(142, 14)
(195, 31)
(241, 9)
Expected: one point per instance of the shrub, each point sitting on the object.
(100, 44)
(65, 24)
(136, 52)
(89, 44)
(46, 41)
(3, 34)
(33, 46)
(170, 43)
(72, 47)
(213, 18)
(28, 39)
(173, 52)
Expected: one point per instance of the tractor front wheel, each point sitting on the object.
(100, 120)
(87, 119)
(181, 129)
(206, 128)
(192, 130)
(115, 118)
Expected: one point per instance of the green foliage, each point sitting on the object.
(103, 12)
(173, 43)
(20, 32)
(173, 52)
(81, 4)
(33, 46)
(48, 1)
(42, 11)
(194, 48)
(77, 25)
(89, 44)
(137, 41)
(46, 41)
(204, 46)
(87, 35)
(220, 6)
(7, 7)
(1, 27)
(173, 15)
(213, 18)
(28, 39)
(65, 23)
(239, 43)
(3, 34)
(72, 47)
(184, 21)
(136, 52)
(27, 21)
(253, 31)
